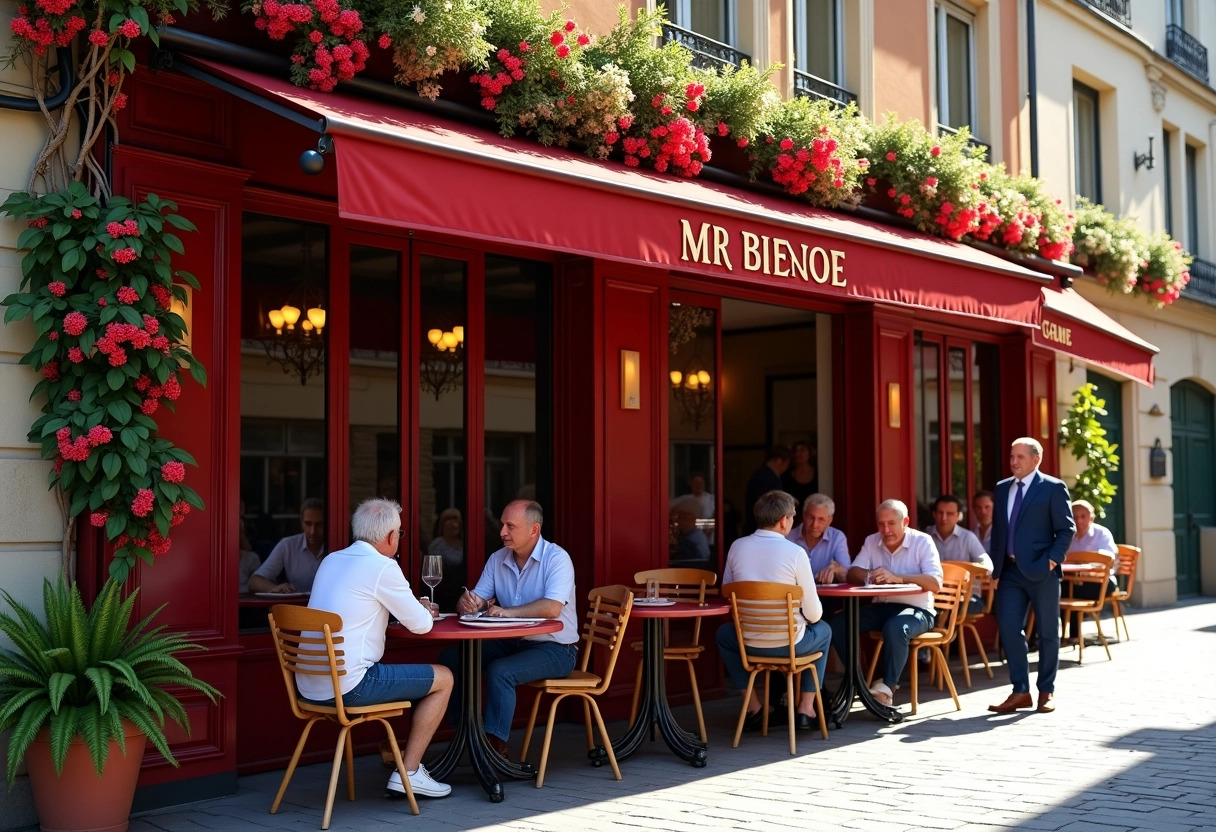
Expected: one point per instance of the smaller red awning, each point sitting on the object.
(1072, 325)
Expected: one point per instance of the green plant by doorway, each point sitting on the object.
(1084, 437)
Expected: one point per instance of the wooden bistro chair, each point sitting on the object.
(948, 602)
(304, 641)
(1081, 607)
(967, 620)
(1129, 557)
(604, 628)
(761, 607)
(682, 585)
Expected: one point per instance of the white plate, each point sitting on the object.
(881, 588)
(654, 602)
(283, 595)
(497, 622)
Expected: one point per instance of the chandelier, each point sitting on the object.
(694, 395)
(297, 342)
(442, 366)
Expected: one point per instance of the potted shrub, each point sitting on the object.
(82, 694)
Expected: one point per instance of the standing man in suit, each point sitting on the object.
(1031, 531)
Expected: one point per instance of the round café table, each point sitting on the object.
(470, 734)
(653, 707)
(854, 681)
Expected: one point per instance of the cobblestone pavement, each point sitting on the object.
(1132, 745)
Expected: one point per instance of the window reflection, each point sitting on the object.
(692, 419)
(441, 463)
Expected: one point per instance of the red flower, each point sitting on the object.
(141, 506)
(891, 156)
(557, 38)
(57, 288)
(149, 406)
(570, 26)
(51, 370)
(935, 150)
(742, 142)
(75, 213)
(129, 29)
(99, 435)
(98, 519)
(385, 41)
(74, 323)
(52, 335)
(125, 255)
(98, 38)
(73, 395)
(787, 144)
(75, 355)
(563, 51)
(173, 472)
(127, 295)
(584, 40)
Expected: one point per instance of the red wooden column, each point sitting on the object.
(878, 443)
(197, 579)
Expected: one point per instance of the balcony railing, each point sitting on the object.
(1118, 10)
(1183, 49)
(811, 86)
(707, 53)
(1203, 282)
(984, 148)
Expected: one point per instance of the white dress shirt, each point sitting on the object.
(916, 555)
(765, 555)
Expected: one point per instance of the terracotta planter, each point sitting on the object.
(78, 800)
(725, 154)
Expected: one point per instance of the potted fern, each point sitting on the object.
(83, 693)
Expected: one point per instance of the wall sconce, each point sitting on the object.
(1156, 410)
(1156, 460)
(631, 380)
(1145, 159)
(1044, 427)
(893, 405)
(183, 311)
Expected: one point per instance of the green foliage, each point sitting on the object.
(84, 671)
(1084, 437)
(737, 101)
(99, 286)
(430, 37)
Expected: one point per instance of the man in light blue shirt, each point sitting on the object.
(528, 578)
(825, 546)
(956, 543)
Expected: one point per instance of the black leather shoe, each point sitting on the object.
(804, 723)
(754, 722)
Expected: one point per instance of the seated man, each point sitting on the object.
(956, 543)
(705, 500)
(690, 545)
(1091, 537)
(825, 547)
(982, 506)
(765, 555)
(895, 555)
(528, 578)
(297, 556)
(364, 585)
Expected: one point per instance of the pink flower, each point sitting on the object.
(125, 255)
(57, 288)
(742, 142)
(385, 41)
(75, 213)
(52, 335)
(173, 472)
(584, 40)
(563, 50)
(935, 150)
(74, 323)
(98, 38)
(127, 295)
(99, 435)
(149, 406)
(98, 519)
(129, 29)
(905, 199)
(51, 370)
(891, 156)
(931, 181)
(73, 395)
(75, 355)
(787, 144)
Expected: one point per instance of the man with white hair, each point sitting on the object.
(1090, 537)
(825, 547)
(364, 585)
(895, 555)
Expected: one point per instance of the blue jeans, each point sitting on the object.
(898, 623)
(508, 662)
(389, 683)
(814, 640)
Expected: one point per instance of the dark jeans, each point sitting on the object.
(1014, 595)
(814, 639)
(508, 662)
(898, 623)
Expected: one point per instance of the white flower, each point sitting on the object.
(447, 7)
(430, 51)
(418, 14)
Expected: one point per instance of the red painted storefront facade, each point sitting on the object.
(621, 246)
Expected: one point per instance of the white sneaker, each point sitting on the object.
(421, 783)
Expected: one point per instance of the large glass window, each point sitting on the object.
(1192, 200)
(692, 424)
(955, 389)
(1167, 175)
(284, 297)
(441, 463)
(1087, 148)
(817, 38)
(375, 346)
(955, 68)
(710, 18)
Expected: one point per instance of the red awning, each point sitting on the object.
(411, 169)
(1074, 326)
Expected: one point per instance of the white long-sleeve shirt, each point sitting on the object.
(364, 587)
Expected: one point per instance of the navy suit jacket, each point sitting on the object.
(1043, 531)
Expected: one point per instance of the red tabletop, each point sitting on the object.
(871, 591)
(267, 599)
(682, 609)
(1082, 567)
(450, 629)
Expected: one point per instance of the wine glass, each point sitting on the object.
(432, 572)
